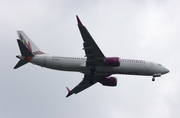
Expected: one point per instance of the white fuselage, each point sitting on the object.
(127, 66)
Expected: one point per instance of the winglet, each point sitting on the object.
(69, 92)
(79, 22)
(68, 89)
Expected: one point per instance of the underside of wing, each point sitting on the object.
(84, 84)
(92, 51)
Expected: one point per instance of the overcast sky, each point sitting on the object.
(135, 29)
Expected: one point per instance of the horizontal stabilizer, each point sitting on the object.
(20, 63)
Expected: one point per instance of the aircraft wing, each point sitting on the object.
(92, 51)
(94, 58)
(84, 84)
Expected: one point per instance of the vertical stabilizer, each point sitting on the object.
(29, 43)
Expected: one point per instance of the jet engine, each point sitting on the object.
(112, 61)
(109, 81)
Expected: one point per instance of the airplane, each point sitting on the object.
(96, 67)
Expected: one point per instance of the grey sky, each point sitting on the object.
(135, 29)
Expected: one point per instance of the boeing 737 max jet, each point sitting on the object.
(96, 67)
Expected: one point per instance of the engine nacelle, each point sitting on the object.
(109, 81)
(112, 61)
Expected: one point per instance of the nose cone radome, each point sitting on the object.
(165, 70)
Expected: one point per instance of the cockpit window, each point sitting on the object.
(159, 64)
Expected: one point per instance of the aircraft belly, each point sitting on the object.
(132, 69)
(59, 64)
(136, 69)
(64, 65)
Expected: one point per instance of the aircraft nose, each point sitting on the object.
(165, 70)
